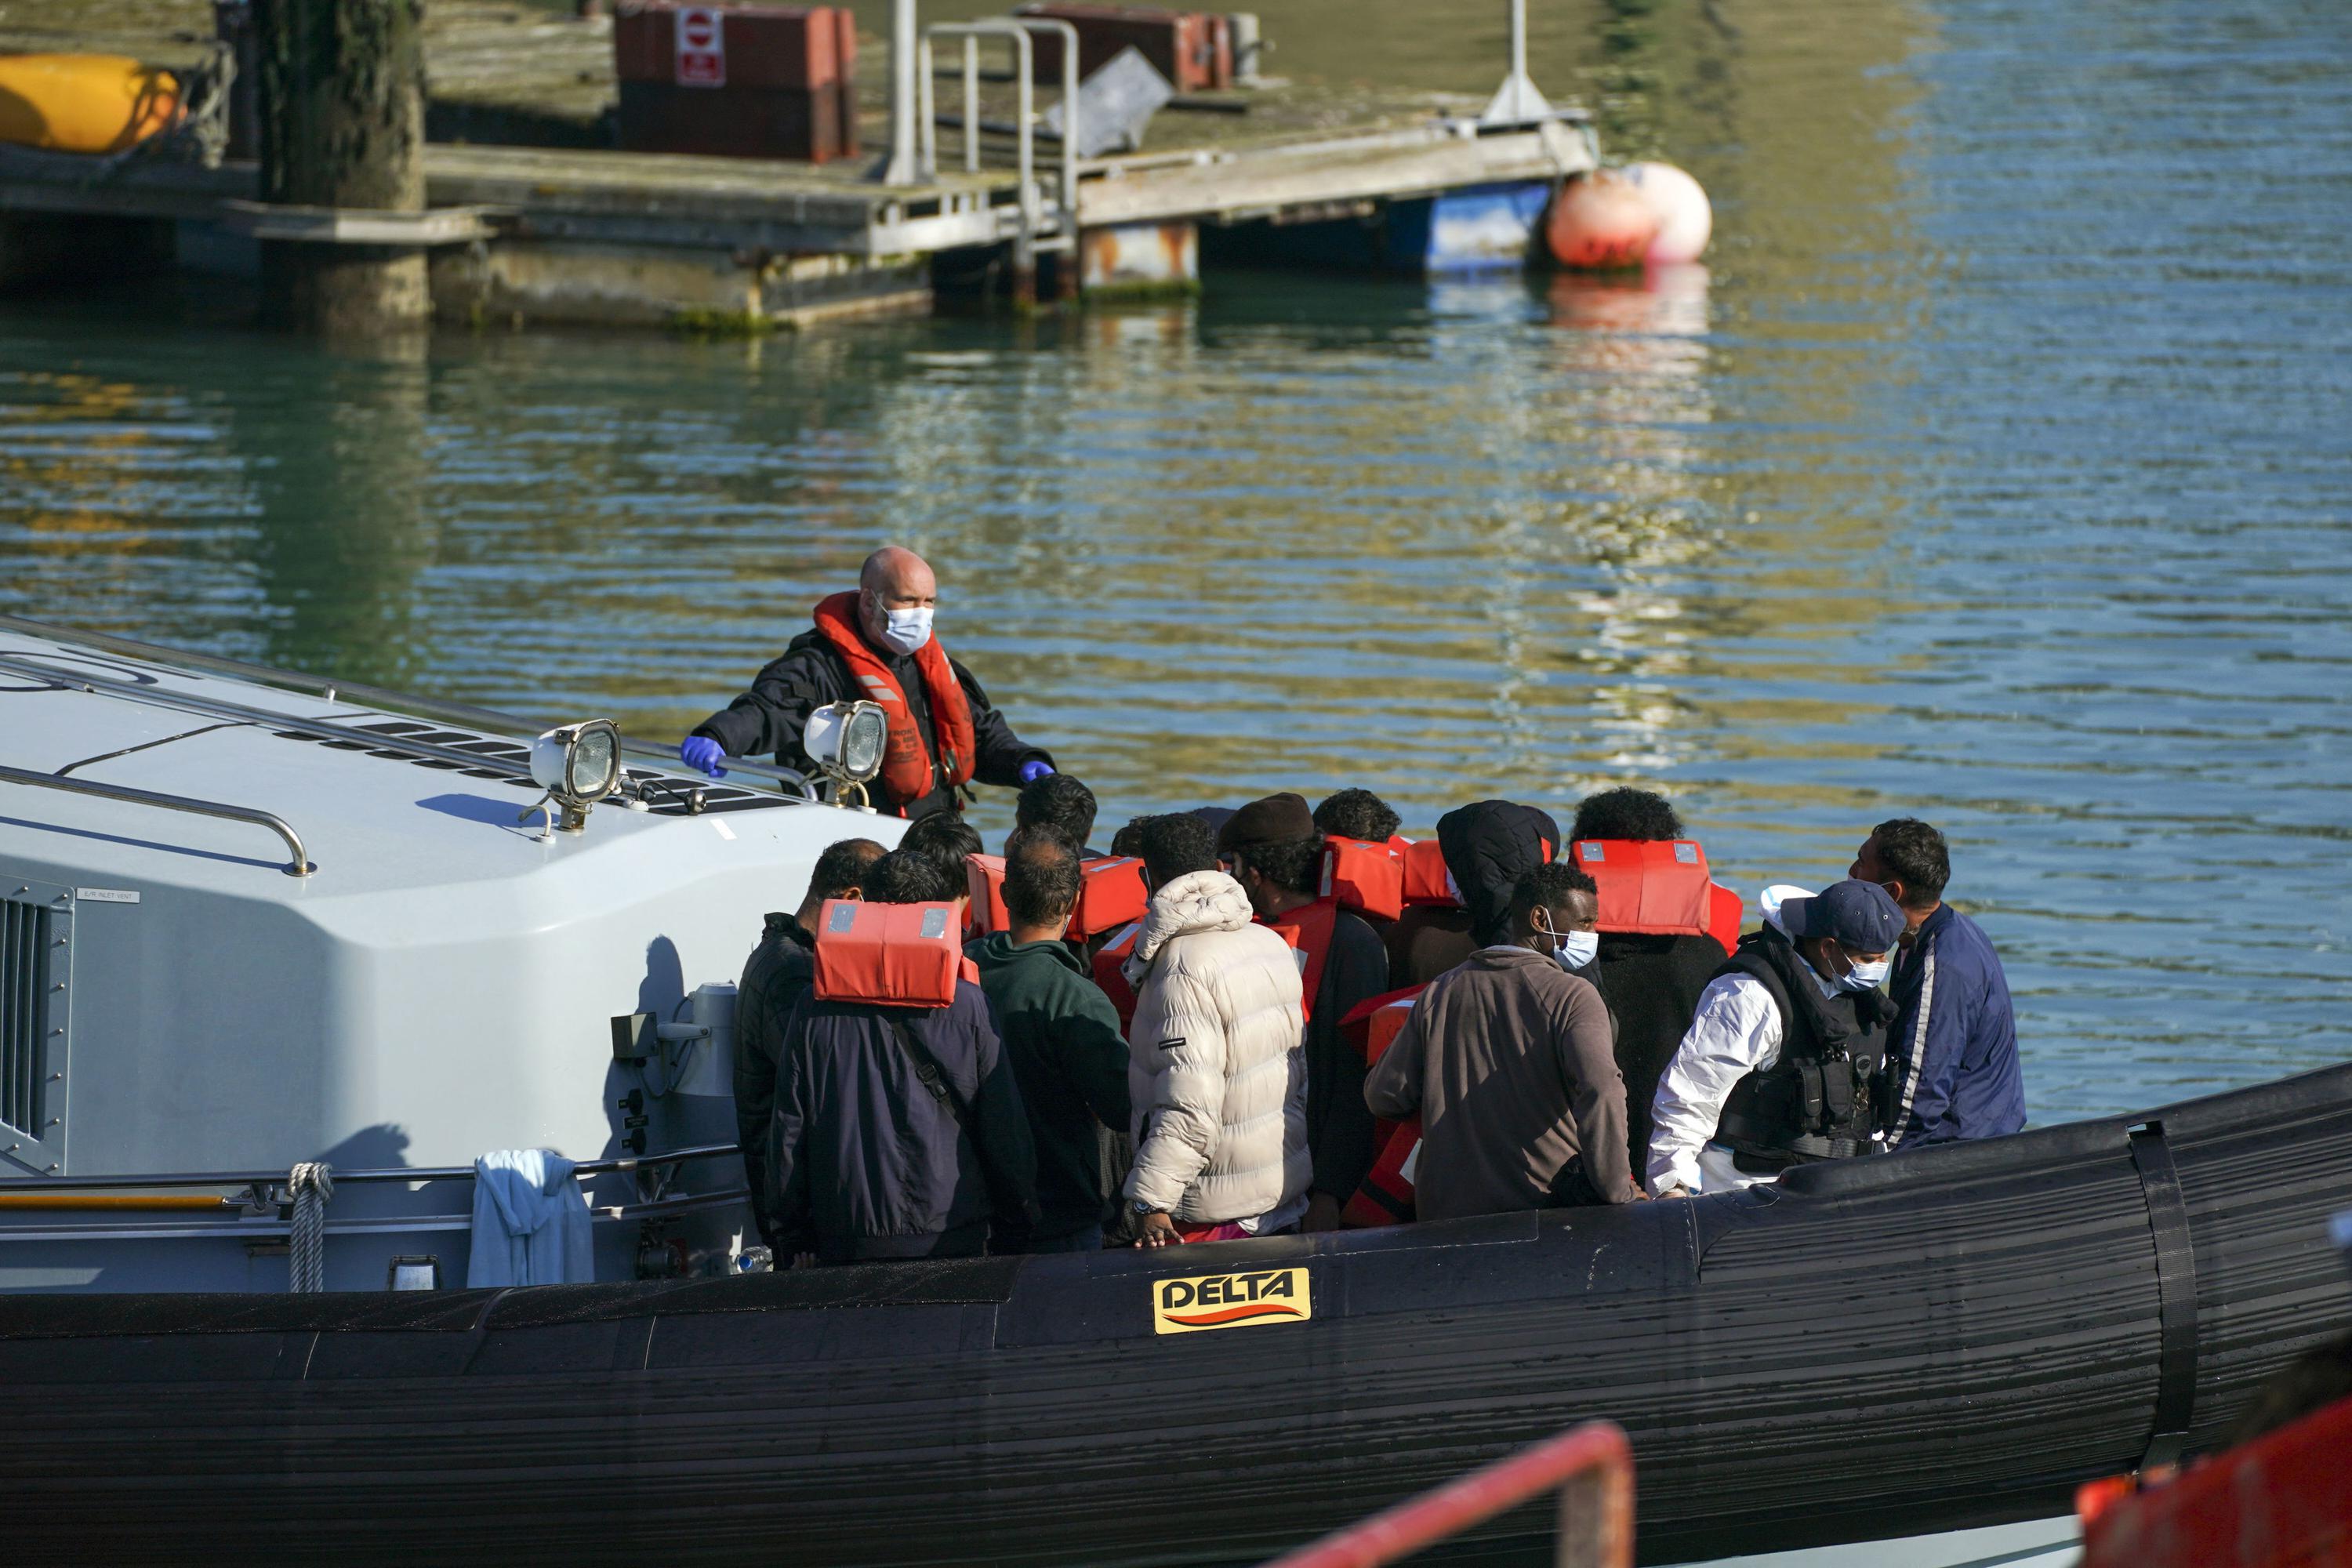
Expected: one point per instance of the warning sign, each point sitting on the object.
(701, 47)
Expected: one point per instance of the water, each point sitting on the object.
(1994, 473)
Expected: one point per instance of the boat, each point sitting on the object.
(1942, 1341)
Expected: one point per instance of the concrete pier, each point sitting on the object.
(579, 232)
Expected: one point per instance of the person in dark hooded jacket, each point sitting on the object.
(864, 1160)
(779, 970)
(1488, 846)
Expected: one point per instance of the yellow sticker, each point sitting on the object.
(1229, 1301)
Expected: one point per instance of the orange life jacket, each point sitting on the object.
(1386, 1196)
(906, 771)
(1111, 975)
(1110, 894)
(1364, 876)
(1426, 879)
(1658, 888)
(1307, 930)
(1725, 909)
(890, 956)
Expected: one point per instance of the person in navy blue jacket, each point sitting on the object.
(1952, 1054)
(865, 1161)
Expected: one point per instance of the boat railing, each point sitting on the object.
(300, 865)
(787, 780)
(1590, 1466)
(262, 1199)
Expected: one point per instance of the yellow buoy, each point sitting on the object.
(84, 103)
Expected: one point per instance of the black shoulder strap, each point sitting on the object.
(930, 1074)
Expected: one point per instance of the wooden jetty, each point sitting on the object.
(583, 233)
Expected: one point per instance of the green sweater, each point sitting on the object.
(1070, 1059)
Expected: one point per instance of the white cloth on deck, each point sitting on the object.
(531, 1222)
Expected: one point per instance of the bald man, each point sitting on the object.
(876, 644)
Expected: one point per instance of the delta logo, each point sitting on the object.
(1229, 1301)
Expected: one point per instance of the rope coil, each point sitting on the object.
(310, 1184)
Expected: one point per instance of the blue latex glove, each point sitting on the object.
(1034, 769)
(702, 752)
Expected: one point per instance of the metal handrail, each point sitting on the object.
(1590, 1466)
(299, 866)
(1017, 29)
(359, 694)
(393, 1173)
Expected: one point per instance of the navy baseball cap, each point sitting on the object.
(1861, 917)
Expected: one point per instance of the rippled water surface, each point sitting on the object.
(1995, 470)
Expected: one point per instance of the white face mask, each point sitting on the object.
(1573, 949)
(1866, 976)
(906, 630)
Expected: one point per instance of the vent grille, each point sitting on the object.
(25, 938)
(715, 797)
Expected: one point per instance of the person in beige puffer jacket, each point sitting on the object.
(1216, 1064)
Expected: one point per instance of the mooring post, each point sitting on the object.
(342, 125)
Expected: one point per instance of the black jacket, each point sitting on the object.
(1339, 1124)
(770, 716)
(1070, 1059)
(1652, 985)
(781, 967)
(865, 1161)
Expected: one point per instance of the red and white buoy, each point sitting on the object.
(1600, 222)
(1608, 220)
(1685, 219)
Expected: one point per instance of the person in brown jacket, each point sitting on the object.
(1507, 1061)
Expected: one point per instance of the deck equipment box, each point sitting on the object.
(742, 81)
(1193, 49)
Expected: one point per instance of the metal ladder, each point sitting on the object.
(1033, 232)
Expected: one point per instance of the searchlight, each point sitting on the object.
(847, 741)
(578, 765)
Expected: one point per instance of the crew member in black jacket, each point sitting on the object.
(876, 644)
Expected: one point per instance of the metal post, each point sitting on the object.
(971, 104)
(927, 118)
(1517, 101)
(900, 170)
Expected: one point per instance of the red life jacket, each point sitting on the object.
(906, 771)
(1307, 930)
(1426, 879)
(1110, 894)
(1658, 888)
(1386, 1196)
(890, 956)
(1364, 876)
(1111, 977)
(1725, 909)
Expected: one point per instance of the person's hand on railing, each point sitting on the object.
(702, 753)
(1032, 770)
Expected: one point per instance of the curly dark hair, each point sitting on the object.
(1357, 814)
(1061, 800)
(1626, 813)
(1174, 845)
(1041, 874)
(1293, 864)
(1918, 858)
(910, 877)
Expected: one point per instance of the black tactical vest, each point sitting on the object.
(1821, 1099)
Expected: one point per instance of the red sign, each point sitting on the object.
(701, 47)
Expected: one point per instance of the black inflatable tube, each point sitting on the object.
(1951, 1338)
